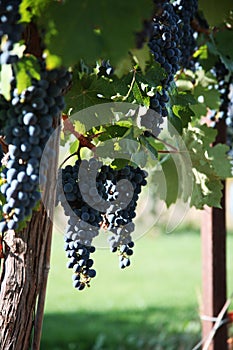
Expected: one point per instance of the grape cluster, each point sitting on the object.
(164, 44)
(97, 196)
(186, 10)
(10, 30)
(29, 124)
(172, 41)
(165, 40)
(79, 191)
(78, 248)
(123, 192)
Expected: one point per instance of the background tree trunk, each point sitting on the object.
(24, 272)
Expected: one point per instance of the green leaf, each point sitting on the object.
(145, 141)
(201, 53)
(210, 165)
(31, 8)
(222, 41)
(180, 106)
(26, 69)
(215, 11)
(85, 91)
(6, 76)
(142, 57)
(206, 191)
(119, 163)
(113, 131)
(137, 94)
(205, 57)
(205, 89)
(74, 146)
(138, 57)
(106, 151)
(140, 157)
(218, 154)
(184, 113)
(79, 127)
(167, 181)
(176, 122)
(199, 110)
(154, 75)
(183, 99)
(52, 61)
(90, 29)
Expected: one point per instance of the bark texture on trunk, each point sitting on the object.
(24, 272)
(25, 267)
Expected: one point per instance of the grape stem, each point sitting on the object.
(169, 152)
(131, 86)
(175, 150)
(83, 141)
(77, 153)
(195, 24)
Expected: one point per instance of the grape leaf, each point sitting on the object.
(145, 141)
(222, 40)
(218, 153)
(74, 146)
(140, 157)
(206, 58)
(206, 191)
(153, 76)
(137, 94)
(119, 163)
(90, 29)
(208, 168)
(181, 106)
(216, 12)
(113, 131)
(5, 79)
(196, 172)
(205, 92)
(167, 181)
(87, 91)
(31, 8)
(26, 69)
(184, 113)
(141, 57)
(174, 122)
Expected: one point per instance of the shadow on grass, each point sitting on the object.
(147, 329)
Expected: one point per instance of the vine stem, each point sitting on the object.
(84, 141)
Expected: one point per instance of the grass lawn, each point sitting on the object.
(152, 305)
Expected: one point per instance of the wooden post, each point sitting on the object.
(213, 233)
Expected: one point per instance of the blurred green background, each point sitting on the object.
(152, 305)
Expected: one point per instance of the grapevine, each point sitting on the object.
(161, 70)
